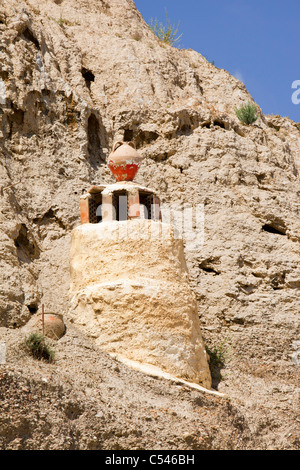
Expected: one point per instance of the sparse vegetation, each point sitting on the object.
(63, 21)
(167, 33)
(247, 114)
(36, 345)
(217, 358)
(217, 355)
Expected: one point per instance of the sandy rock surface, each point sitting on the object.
(76, 76)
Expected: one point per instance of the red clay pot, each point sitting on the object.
(124, 161)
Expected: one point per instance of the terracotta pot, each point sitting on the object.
(54, 326)
(124, 161)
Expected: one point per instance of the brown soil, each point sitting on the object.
(87, 400)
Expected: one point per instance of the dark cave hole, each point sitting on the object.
(141, 138)
(32, 308)
(27, 249)
(27, 34)
(271, 229)
(261, 177)
(219, 124)
(15, 120)
(206, 124)
(88, 76)
(209, 270)
(4, 74)
(145, 138)
(18, 116)
(128, 135)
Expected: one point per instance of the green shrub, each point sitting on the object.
(166, 33)
(247, 114)
(36, 346)
(61, 20)
(217, 355)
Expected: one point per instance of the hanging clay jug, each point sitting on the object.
(124, 161)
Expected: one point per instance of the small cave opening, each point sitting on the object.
(33, 308)
(88, 76)
(15, 120)
(261, 177)
(275, 230)
(206, 124)
(209, 270)
(4, 74)
(218, 123)
(128, 135)
(145, 138)
(18, 115)
(28, 36)
(27, 249)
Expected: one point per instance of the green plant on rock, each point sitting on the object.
(61, 20)
(36, 345)
(167, 33)
(218, 355)
(247, 114)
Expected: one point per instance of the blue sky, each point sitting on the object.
(257, 41)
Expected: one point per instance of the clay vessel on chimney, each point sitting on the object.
(124, 161)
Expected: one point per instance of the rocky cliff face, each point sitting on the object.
(74, 77)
